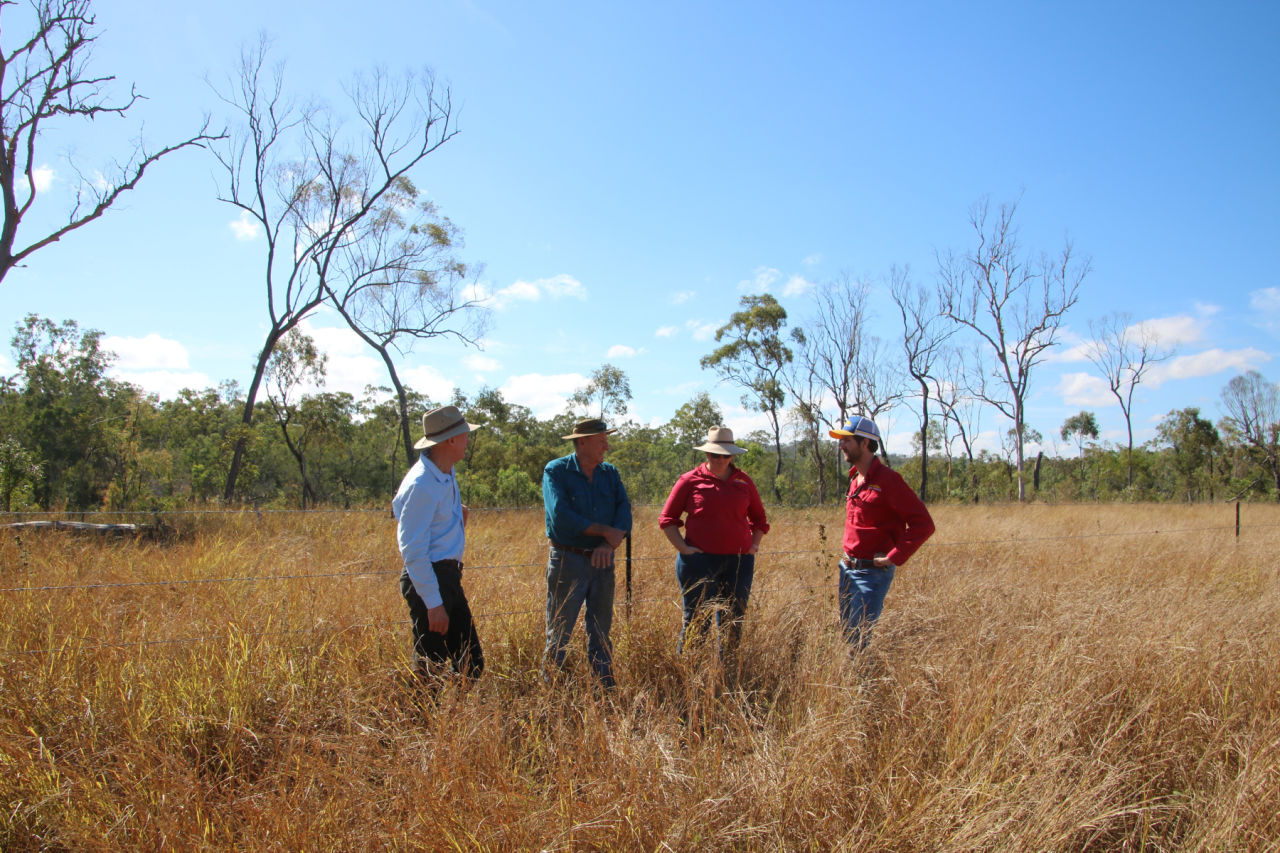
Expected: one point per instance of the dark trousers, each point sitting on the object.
(459, 646)
(714, 585)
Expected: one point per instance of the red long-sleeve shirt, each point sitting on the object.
(721, 515)
(885, 516)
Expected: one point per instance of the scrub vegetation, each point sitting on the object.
(1044, 678)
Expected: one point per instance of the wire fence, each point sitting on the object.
(370, 573)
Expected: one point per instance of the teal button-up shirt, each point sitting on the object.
(573, 503)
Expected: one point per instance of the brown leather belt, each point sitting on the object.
(861, 562)
(586, 552)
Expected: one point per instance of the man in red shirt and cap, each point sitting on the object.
(886, 523)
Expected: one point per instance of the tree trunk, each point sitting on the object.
(777, 446)
(246, 419)
(924, 442)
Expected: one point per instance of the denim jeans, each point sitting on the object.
(862, 593)
(719, 585)
(572, 582)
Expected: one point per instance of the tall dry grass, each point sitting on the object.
(1044, 678)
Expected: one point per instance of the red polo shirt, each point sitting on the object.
(722, 515)
(884, 516)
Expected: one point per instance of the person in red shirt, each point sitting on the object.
(724, 523)
(886, 522)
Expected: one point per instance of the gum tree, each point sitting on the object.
(320, 192)
(1014, 303)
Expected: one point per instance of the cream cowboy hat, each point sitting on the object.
(589, 427)
(720, 440)
(442, 424)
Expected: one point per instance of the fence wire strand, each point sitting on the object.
(380, 573)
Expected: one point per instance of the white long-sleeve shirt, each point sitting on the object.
(428, 510)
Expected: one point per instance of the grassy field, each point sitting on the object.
(1044, 678)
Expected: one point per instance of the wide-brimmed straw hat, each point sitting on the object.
(442, 424)
(860, 426)
(589, 427)
(720, 440)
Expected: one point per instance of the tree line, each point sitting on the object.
(76, 439)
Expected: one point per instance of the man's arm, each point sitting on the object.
(919, 524)
(622, 505)
(413, 534)
(555, 497)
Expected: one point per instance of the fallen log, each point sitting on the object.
(80, 526)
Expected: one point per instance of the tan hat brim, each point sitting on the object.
(730, 449)
(589, 434)
(424, 442)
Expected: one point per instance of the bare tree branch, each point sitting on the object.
(42, 81)
(1013, 303)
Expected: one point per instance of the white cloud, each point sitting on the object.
(475, 292)
(336, 341)
(1171, 331)
(165, 384)
(1206, 363)
(623, 351)
(701, 331)
(666, 332)
(351, 366)
(797, 286)
(813, 260)
(151, 352)
(481, 363)
(43, 178)
(1267, 299)
(682, 297)
(1266, 308)
(429, 381)
(761, 282)
(245, 227)
(1085, 389)
(684, 389)
(557, 287)
(545, 395)
(1072, 348)
(1161, 332)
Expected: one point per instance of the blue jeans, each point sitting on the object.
(862, 593)
(572, 582)
(718, 584)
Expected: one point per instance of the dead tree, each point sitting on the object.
(45, 82)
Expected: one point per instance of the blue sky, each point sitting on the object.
(627, 172)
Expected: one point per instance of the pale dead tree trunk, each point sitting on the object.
(827, 358)
(1014, 303)
(923, 339)
(961, 407)
(1123, 353)
(315, 187)
(881, 383)
(45, 80)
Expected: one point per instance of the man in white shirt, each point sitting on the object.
(432, 536)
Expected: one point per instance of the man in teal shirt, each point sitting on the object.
(588, 516)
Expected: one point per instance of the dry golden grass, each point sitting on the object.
(1092, 686)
